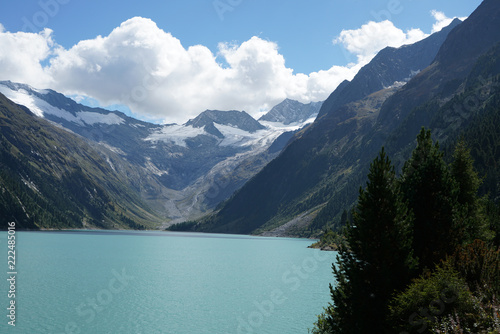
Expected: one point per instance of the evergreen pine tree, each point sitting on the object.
(470, 219)
(344, 218)
(467, 178)
(379, 261)
(431, 193)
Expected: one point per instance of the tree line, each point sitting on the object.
(421, 252)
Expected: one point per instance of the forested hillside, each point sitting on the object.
(422, 251)
(50, 178)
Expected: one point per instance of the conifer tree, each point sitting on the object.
(470, 219)
(431, 193)
(344, 218)
(380, 259)
(462, 169)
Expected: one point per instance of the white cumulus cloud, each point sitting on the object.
(372, 37)
(442, 20)
(21, 55)
(149, 70)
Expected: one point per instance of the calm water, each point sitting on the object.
(152, 282)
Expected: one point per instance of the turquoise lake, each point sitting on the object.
(163, 282)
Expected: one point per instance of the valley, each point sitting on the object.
(180, 172)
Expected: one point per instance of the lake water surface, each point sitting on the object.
(160, 282)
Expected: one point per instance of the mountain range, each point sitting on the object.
(292, 172)
(178, 171)
(444, 83)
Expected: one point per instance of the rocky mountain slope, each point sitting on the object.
(50, 178)
(319, 173)
(391, 66)
(290, 111)
(180, 171)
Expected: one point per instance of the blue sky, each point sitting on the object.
(285, 38)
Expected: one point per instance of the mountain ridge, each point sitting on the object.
(378, 74)
(320, 171)
(234, 118)
(291, 111)
(50, 178)
(181, 171)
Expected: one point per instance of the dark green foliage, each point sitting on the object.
(331, 240)
(438, 206)
(380, 259)
(382, 221)
(463, 172)
(483, 138)
(479, 265)
(460, 296)
(492, 212)
(185, 226)
(432, 195)
(470, 220)
(431, 299)
(344, 219)
(458, 95)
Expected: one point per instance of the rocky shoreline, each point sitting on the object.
(327, 248)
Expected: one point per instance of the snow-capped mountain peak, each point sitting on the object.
(233, 118)
(44, 103)
(291, 111)
(185, 163)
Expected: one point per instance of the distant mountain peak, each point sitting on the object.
(233, 118)
(18, 86)
(472, 38)
(58, 108)
(390, 65)
(291, 111)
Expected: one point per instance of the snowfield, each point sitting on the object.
(41, 108)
